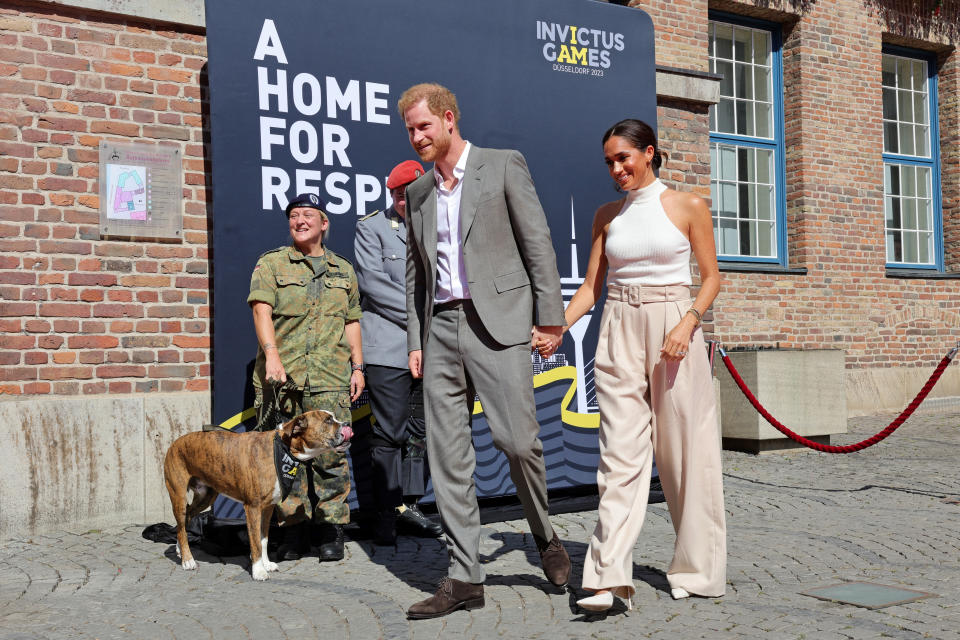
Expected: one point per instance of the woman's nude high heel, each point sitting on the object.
(597, 602)
(603, 600)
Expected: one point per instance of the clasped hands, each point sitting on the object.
(546, 339)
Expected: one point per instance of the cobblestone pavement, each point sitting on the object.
(796, 521)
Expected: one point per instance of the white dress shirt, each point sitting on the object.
(451, 272)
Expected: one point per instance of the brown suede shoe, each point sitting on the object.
(556, 562)
(450, 596)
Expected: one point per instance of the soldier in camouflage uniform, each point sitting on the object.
(306, 308)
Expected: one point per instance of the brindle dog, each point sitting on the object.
(201, 465)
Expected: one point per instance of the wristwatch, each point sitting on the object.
(357, 366)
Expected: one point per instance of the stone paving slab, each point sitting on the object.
(795, 521)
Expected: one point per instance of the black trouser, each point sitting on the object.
(398, 437)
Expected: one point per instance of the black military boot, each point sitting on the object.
(331, 542)
(296, 542)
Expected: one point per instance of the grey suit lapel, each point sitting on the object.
(470, 191)
(428, 218)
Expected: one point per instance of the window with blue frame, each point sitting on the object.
(746, 141)
(911, 165)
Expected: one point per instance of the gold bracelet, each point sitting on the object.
(696, 314)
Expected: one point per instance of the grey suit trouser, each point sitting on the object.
(461, 358)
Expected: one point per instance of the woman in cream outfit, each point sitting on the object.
(653, 381)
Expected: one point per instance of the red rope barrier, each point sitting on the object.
(850, 448)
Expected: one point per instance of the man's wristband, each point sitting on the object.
(357, 366)
(269, 345)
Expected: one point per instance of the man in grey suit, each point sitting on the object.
(398, 437)
(481, 272)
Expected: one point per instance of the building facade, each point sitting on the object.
(826, 134)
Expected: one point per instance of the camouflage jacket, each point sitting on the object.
(308, 316)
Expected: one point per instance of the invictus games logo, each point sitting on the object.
(578, 49)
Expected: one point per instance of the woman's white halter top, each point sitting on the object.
(643, 247)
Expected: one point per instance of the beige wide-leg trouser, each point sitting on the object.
(653, 407)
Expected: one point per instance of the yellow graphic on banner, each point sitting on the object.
(567, 416)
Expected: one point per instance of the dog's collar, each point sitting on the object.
(287, 466)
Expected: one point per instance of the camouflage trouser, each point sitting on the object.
(321, 488)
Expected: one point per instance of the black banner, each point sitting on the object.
(303, 98)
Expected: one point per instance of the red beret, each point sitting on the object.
(404, 173)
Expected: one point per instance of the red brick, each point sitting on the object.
(16, 150)
(62, 373)
(89, 35)
(8, 374)
(171, 311)
(92, 342)
(64, 246)
(121, 371)
(115, 128)
(100, 97)
(61, 124)
(92, 357)
(109, 310)
(163, 132)
(18, 246)
(66, 326)
(60, 76)
(169, 75)
(36, 326)
(116, 249)
(33, 294)
(62, 184)
(36, 388)
(92, 279)
(17, 277)
(17, 309)
(62, 62)
(192, 342)
(198, 384)
(172, 371)
(65, 310)
(36, 357)
(145, 281)
(143, 102)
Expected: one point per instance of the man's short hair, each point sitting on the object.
(439, 100)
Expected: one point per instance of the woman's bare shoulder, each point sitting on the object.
(607, 212)
(685, 201)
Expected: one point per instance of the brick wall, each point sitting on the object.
(950, 156)
(681, 31)
(81, 315)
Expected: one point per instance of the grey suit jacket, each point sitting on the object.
(380, 248)
(507, 251)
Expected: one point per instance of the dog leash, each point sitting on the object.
(272, 417)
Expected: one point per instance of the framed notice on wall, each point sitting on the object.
(140, 191)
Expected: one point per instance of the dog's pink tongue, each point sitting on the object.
(347, 432)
